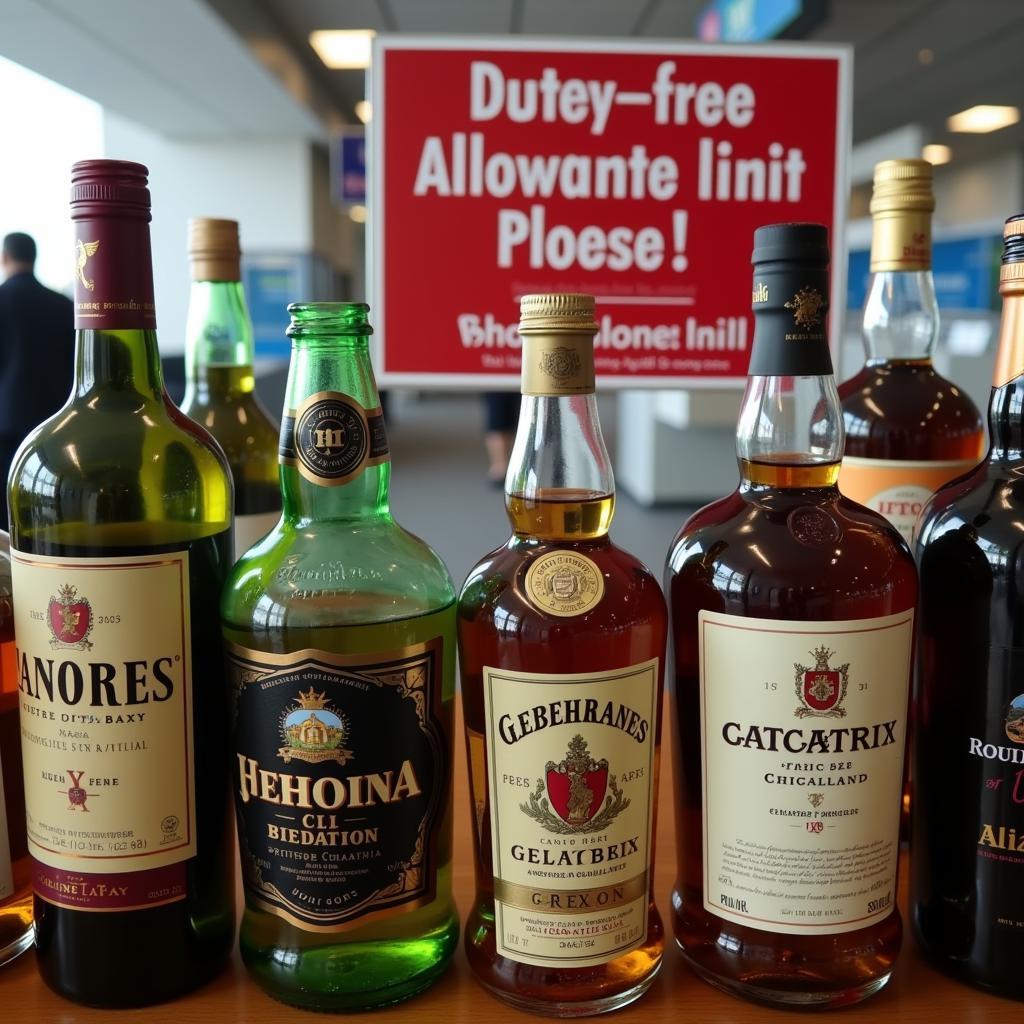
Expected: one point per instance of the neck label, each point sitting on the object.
(901, 240)
(558, 364)
(113, 275)
(790, 323)
(331, 439)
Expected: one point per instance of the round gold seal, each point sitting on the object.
(564, 583)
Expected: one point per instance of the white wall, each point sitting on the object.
(264, 184)
(990, 190)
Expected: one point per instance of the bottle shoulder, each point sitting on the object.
(757, 546)
(335, 573)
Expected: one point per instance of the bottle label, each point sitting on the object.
(251, 528)
(331, 439)
(803, 727)
(342, 773)
(564, 583)
(897, 488)
(901, 240)
(6, 874)
(570, 775)
(105, 680)
(113, 275)
(791, 313)
(558, 364)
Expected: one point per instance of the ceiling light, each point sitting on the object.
(936, 154)
(983, 119)
(925, 56)
(363, 111)
(358, 214)
(342, 48)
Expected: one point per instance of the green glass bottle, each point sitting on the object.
(220, 387)
(340, 630)
(121, 541)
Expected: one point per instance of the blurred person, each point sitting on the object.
(37, 350)
(501, 414)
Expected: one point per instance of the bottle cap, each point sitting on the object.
(560, 312)
(902, 185)
(109, 188)
(1012, 261)
(790, 301)
(213, 249)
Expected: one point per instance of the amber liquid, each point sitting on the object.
(499, 627)
(16, 909)
(748, 555)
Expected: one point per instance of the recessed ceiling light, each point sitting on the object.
(925, 56)
(983, 119)
(343, 48)
(358, 214)
(936, 154)
(363, 111)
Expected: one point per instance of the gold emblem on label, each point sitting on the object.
(314, 730)
(806, 306)
(760, 293)
(84, 251)
(561, 363)
(564, 583)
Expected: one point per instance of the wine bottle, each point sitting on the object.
(341, 649)
(121, 540)
(220, 380)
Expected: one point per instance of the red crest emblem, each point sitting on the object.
(70, 619)
(577, 784)
(822, 689)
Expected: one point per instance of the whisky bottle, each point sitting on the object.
(121, 540)
(792, 615)
(220, 388)
(967, 852)
(340, 628)
(908, 429)
(15, 866)
(562, 642)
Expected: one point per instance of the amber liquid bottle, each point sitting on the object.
(15, 866)
(561, 643)
(792, 623)
(967, 869)
(908, 429)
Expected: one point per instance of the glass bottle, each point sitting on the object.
(967, 850)
(341, 641)
(220, 387)
(121, 540)
(15, 866)
(792, 614)
(908, 429)
(562, 641)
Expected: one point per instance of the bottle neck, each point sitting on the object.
(1006, 405)
(559, 484)
(335, 463)
(118, 361)
(901, 316)
(219, 341)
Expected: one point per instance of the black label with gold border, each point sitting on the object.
(331, 438)
(340, 770)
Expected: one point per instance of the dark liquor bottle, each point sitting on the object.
(121, 540)
(908, 429)
(220, 390)
(967, 873)
(15, 865)
(792, 614)
(562, 642)
(341, 645)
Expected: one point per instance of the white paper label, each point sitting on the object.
(803, 727)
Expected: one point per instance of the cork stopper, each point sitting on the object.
(213, 249)
(557, 312)
(902, 185)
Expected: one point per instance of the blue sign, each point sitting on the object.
(747, 21)
(348, 168)
(966, 272)
(271, 282)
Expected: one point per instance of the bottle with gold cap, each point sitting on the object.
(562, 642)
(908, 429)
(220, 391)
(967, 871)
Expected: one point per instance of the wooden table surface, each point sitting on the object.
(916, 994)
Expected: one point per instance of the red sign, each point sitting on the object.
(634, 172)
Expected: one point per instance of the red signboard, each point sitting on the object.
(635, 172)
